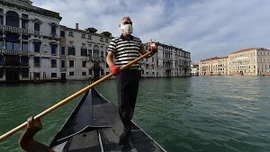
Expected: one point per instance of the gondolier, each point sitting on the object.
(124, 49)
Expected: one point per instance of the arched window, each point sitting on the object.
(12, 19)
(96, 52)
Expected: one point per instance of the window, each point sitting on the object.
(89, 37)
(70, 33)
(1, 20)
(83, 64)
(101, 54)
(63, 63)
(83, 36)
(90, 53)
(71, 73)
(36, 61)
(62, 34)
(12, 19)
(71, 63)
(13, 42)
(83, 52)
(24, 21)
(2, 60)
(71, 50)
(53, 29)
(106, 40)
(25, 73)
(24, 37)
(37, 46)
(62, 50)
(53, 49)
(36, 26)
(24, 61)
(25, 24)
(53, 75)
(96, 53)
(101, 39)
(53, 63)
(83, 73)
(25, 46)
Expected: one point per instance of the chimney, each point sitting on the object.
(77, 26)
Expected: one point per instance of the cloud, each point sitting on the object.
(204, 28)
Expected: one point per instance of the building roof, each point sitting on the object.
(157, 43)
(214, 58)
(90, 30)
(249, 49)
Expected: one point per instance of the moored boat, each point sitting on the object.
(95, 125)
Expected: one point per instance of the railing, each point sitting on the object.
(63, 69)
(97, 59)
(15, 52)
(18, 30)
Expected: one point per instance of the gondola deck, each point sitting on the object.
(96, 126)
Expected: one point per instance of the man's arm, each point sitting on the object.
(115, 70)
(109, 58)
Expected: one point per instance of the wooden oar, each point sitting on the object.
(11, 132)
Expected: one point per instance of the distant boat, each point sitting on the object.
(95, 125)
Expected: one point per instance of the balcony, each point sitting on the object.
(15, 52)
(18, 30)
(97, 60)
(63, 69)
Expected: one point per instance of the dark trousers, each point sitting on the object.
(127, 88)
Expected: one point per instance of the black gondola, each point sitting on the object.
(95, 125)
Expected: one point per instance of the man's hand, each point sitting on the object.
(115, 70)
(153, 49)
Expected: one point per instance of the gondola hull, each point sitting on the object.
(95, 125)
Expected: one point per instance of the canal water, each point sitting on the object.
(195, 114)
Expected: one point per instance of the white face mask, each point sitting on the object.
(127, 28)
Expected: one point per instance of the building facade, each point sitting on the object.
(194, 69)
(215, 66)
(83, 53)
(250, 61)
(29, 41)
(169, 61)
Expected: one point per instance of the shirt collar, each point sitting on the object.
(125, 38)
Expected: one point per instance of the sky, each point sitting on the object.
(205, 28)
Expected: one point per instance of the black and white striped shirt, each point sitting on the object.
(125, 50)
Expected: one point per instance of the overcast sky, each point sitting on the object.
(206, 28)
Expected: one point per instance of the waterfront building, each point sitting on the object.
(169, 61)
(194, 69)
(83, 53)
(29, 41)
(215, 66)
(250, 61)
